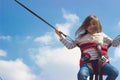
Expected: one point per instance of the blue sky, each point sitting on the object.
(30, 49)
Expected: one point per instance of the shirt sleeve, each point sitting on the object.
(116, 42)
(68, 44)
(106, 39)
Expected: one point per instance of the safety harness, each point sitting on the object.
(94, 65)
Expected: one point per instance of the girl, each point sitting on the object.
(89, 36)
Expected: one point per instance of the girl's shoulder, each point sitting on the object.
(83, 36)
(103, 34)
(100, 34)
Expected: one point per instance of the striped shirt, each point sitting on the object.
(101, 38)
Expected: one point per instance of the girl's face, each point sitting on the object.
(92, 27)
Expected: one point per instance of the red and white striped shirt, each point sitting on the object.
(101, 38)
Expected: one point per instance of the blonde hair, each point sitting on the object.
(82, 30)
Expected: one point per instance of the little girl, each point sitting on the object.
(89, 36)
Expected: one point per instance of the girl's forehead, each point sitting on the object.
(93, 21)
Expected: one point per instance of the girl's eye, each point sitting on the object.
(92, 23)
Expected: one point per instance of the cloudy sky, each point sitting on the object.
(30, 49)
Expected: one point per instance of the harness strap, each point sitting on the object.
(98, 75)
(94, 65)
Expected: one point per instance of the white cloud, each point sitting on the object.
(47, 38)
(71, 21)
(57, 55)
(65, 28)
(57, 63)
(3, 53)
(71, 18)
(117, 53)
(119, 23)
(5, 37)
(28, 38)
(15, 70)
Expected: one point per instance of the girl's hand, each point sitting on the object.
(58, 32)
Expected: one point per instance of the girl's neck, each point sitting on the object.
(93, 32)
